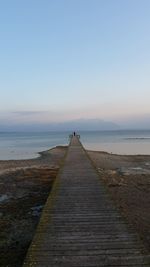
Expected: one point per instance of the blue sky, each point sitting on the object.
(69, 59)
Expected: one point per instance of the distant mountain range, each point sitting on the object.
(85, 125)
(78, 125)
(75, 125)
(136, 122)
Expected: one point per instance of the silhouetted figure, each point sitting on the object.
(74, 133)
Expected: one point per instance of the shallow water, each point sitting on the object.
(119, 142)
(27, 145)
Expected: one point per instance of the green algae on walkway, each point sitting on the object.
(80, 225)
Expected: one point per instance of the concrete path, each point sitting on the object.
(80, 226)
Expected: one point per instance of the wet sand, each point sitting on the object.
(26, 184)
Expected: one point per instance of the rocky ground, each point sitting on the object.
(127, 180)
(24, 188)
(26, 184)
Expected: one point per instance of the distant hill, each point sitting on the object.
(75, 125)
(85, 125)
(136, 122)
(141, 122)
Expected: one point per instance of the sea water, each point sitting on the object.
(27, 145)
(126, 142)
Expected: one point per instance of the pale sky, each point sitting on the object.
(69, 59)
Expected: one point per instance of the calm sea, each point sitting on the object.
(27, 145)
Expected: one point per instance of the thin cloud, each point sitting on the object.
(29, 113)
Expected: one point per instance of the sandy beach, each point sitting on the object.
(26, 184)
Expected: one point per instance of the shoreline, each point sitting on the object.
(41, 158)
(46, 152)
(12, 165)
(124, 149)
(104, 148)
(26, 184)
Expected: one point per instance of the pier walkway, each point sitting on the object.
(80, 225)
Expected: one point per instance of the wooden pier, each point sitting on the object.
(80, 225)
